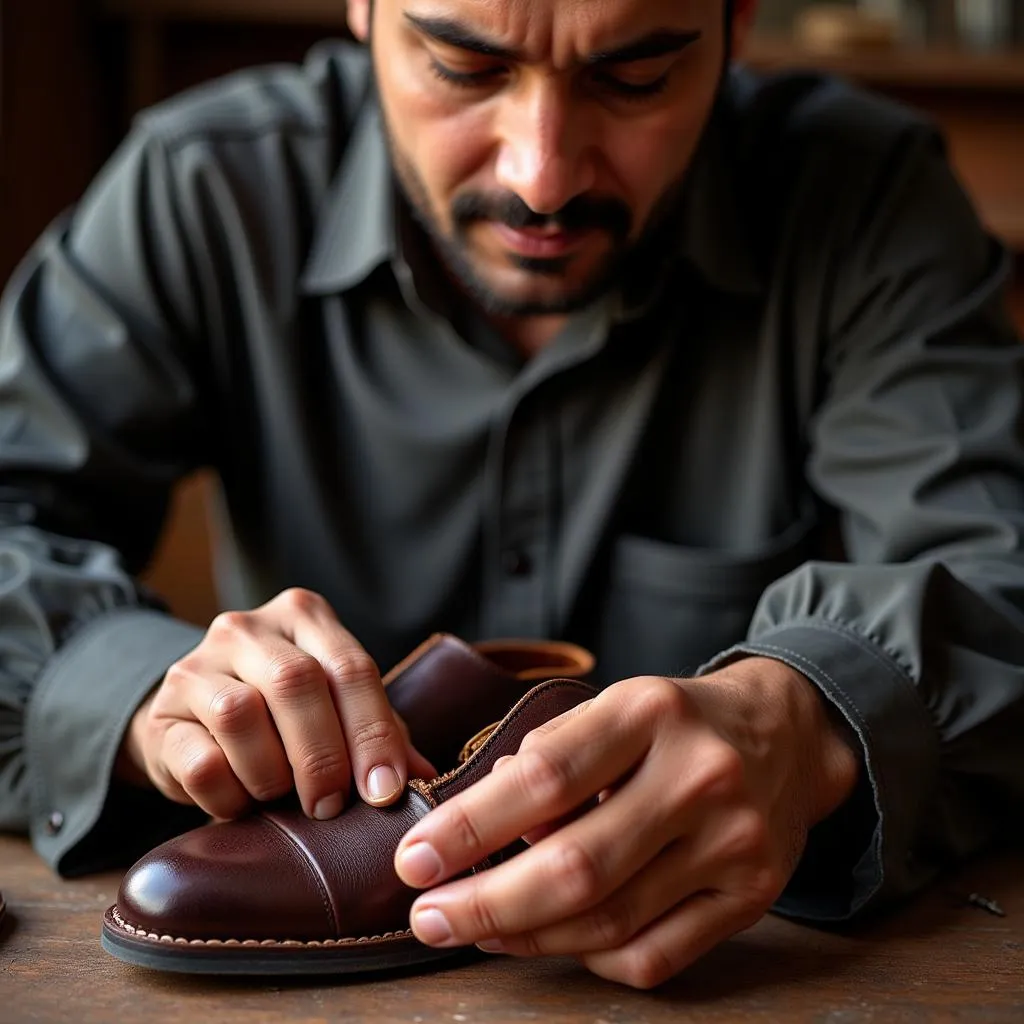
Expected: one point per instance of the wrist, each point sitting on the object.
(783, 706)
(130, 763)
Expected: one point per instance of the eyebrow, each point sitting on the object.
(659, 43)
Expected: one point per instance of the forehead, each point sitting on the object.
(562, 32)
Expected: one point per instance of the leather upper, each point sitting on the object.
(281, 876)
(447, 690)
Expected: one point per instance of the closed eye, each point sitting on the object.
(633, 90)
(466, 79)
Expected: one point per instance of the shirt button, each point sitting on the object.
(54, 823)
(516, 562)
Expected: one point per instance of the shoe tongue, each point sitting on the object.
(446, 691)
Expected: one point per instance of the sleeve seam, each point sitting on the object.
(872, 645)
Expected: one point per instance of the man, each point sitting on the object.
(530, 320)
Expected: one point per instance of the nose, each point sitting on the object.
(543, 156)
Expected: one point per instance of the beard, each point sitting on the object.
(607, 215)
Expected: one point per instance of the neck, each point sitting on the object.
(528, 334)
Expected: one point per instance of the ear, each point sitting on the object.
(359, 18)
(744, 15)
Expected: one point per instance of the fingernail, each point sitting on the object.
(431, 926)
(382, 783)
(329, 807)
(491, 946)
(418, 865)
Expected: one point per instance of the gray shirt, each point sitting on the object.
(794, 431)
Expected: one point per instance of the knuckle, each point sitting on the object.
(322, 764)
(612, 925)
(266, 790)
(230, 624)
(647, 967)
(203, 770)
(179, 675)
(235, 709)
(722, 772)
(577, 874)
(655, 698)
(302, 601)
(294, 675)
(529, 742)
(764, 887)
(463, 830)
(485, 921)
(544, 777)
(374, 737)
(352, 667)
(747, 838)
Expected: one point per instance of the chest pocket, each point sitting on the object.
(669, 608)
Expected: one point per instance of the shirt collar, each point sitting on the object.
(358, 229)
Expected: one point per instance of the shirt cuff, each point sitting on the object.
(76, 719)
(862, 855)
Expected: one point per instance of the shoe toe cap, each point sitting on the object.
(241, 880)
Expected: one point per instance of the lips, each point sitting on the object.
(540, 243)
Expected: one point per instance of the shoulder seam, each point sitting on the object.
(176, 140)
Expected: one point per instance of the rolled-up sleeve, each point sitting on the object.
(100, 414)
(918, 638)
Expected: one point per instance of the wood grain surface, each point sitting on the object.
(940, 959)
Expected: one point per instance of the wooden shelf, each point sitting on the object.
(903, 65)
(914, 67)
(291, 12)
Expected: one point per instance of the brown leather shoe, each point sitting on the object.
(278, 893)
(447, 690)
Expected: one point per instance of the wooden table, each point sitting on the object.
(940, 959)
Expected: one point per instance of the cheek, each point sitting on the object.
(645, 160)
(447, 143)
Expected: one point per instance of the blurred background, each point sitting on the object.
(73, 72)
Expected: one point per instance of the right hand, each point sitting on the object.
(276, 698)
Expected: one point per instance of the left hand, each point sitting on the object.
(705, 791)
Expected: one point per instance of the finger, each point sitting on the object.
(566, 874)
(236, 716)
(552, 774)
(556, 723)
(647, 896)
(193, 759)
(535, 835)
(294, 685)
(376, 747)
(675, 941)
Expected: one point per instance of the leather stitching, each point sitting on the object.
(423, 788)
(141, 933)
(433, 785)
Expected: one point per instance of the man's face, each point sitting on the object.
(535, 139)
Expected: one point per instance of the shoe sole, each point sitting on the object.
(267, 957)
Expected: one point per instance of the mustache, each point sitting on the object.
(579, 214)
